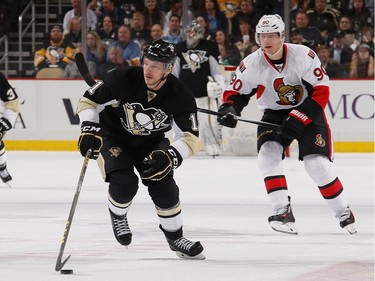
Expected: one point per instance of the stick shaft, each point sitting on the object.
(59, 263)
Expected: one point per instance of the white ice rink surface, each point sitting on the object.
(224, 206)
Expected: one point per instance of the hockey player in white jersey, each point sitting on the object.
(292, 89)
(197, 66)
(11, 108)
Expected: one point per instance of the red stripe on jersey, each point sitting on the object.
(311, 54)
(331, 190)
(260, 91)
(275, 183)
(227, 94)
(321, 95)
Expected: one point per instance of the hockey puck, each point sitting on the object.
(66, 271)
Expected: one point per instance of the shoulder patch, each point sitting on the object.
(242, 67)
(311, 54)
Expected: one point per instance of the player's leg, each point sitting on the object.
(316, 150)
(165, 195)
(116, 166)
(4, 174)
(270, 156)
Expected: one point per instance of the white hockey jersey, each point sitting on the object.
(298, 78)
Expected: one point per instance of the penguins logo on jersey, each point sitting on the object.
(194, 59)
(142, 122)
(288, 94)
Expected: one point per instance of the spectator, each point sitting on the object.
(129, 7)
(74, 35)
(109, 9)
(203, 22)
(229, 8)
(245, 39)
(153, 14)
(139, 32)
(323, 18)
(174, 33)
(246, 11)
(96, 52)
(360, 15)
(297, 38)
(77, 12)
(175, 8)
(351, 37)
(333, 68)
(341, 5)
(108, 31)
(156, 33)
(216, 18)
(71, 70)
(362, 65)
(115, 58)
(229, 53)
(54, 53)
(310, 33)
(340, 51)
(293, 9)
(368, 38)
(131, 51)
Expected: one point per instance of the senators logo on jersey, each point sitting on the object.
(142, 122)
(288, 94)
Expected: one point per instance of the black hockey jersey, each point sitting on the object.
(135, 115)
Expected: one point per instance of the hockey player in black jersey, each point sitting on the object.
(124, 118)
(197, 66)
(11, 108)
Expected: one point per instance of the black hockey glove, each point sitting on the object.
(4, 126)
(90, 138)
(160, 163)
(227, 115)
(293, 126)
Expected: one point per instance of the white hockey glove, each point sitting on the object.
(214, 89)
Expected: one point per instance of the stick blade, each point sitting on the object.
(83, 70)
(59, 264)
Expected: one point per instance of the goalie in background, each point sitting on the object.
(11, 109)
(198, 68)
(124, 120)
(292, 89)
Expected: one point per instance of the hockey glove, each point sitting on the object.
(214, 89)
(4, 126)
(90, 138)
(160, 163)
(293, 126)
(227, 115)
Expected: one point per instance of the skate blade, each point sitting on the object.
(351, 228)
(287, 228)
(197, 257)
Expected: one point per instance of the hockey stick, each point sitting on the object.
(260, 123)
(83, 70)
(59, 263)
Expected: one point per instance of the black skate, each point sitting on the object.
(186, 249)
(283, 221)
(4, 175)
(347, 221)
(121, 229)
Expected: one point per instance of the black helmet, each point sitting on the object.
(161, 51)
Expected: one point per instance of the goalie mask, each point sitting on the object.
(194, 33)
(270, 24)
(161, 51)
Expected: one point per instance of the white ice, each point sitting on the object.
(224, 206)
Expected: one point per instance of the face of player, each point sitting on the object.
(154, 73)
(270, 42)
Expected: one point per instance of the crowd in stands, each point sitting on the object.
(340, 32)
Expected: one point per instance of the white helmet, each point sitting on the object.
(270, 24)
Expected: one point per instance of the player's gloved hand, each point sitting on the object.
(4, 126)
(214, 89)
(293, 126)
(90, 138)
(227, 115)
(160, 163)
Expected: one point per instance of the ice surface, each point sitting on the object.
(224, 206)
